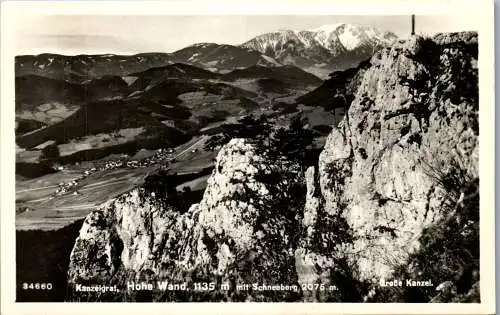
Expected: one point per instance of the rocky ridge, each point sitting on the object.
(396, 180)
(214, 241)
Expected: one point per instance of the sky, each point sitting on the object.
(93, 34)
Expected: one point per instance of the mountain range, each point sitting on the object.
(324, 49)
(188, 90)
(319, 51)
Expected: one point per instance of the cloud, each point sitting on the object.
(74, 44)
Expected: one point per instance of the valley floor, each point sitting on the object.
(39, 207)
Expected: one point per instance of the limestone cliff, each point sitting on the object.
(387, 168)
(241, 232)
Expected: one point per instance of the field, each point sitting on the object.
(51, 212)
(39, 207)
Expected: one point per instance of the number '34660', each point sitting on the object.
(37, 286)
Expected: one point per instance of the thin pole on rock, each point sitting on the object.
(413, 24)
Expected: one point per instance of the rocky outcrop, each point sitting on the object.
(414, 120)
(239, 233)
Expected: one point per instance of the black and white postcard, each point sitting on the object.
(272, 152)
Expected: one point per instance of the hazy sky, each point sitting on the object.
(89, 34)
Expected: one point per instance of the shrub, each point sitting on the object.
(449, 248)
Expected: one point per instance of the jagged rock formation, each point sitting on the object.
(414, 120)
(396, 185)
(237, 234)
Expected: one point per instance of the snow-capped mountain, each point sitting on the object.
(351, 36)
(329, 47)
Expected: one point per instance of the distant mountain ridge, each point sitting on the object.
(333, 40)
(79, 68)
(319, 51)
(329, 47)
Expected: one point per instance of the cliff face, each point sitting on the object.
(396, 185)
(398, 179)
(387, 169)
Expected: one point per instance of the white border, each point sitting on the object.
(479, 9)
